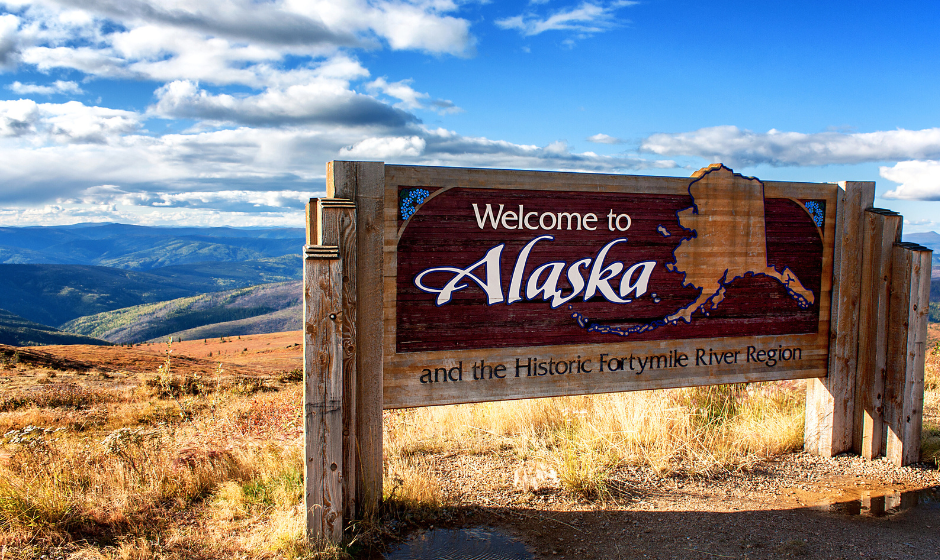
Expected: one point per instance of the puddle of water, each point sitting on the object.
(475, 543)
(881, 503)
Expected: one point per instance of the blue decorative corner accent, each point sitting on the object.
(817, 209)
(409, 200)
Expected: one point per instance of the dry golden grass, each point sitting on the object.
(224, 480)
(930, 439)
(690, 431)
(194, 467)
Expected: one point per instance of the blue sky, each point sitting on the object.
(224, 112)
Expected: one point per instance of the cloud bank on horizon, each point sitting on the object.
(223, 112)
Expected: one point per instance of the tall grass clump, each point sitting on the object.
(691, 431)
(117, 487)
(930, 439)
(68, 488)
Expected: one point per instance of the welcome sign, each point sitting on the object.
(429, 285)
(623, 283)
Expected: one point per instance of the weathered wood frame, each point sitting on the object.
(865, 376)
(400, 389)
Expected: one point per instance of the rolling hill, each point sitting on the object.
(17, 331)
(256, 309)
(55, 294)
(288, 319)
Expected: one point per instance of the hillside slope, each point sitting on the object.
(231, 275)
(55, 294)
(17, 331)
(155, 320)
(287, 319)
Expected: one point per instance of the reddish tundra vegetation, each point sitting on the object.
(194, 450)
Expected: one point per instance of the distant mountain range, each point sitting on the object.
(929, 239)
(55, 294)
(253, 310)
(17, 331)
(144, 248)
(52, 275)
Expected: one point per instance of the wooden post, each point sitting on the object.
(882, 231)
(337, 227)
(830, 400)
(906, 352)
(364, 183)
(323, 393)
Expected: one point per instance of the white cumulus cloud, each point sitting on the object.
(604, 139)
(919, 180)
(71, 122)
(9, 48)
(58, 86)
(409, 98)
(394, 148)
(316, 102)
(738, 147)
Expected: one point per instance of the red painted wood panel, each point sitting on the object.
(444, 232)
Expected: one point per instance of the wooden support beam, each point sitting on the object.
(337, 218)
(323, 393)
(364, 183)
(907, 341)
(830, 400)
(882, 231)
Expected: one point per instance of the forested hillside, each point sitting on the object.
(250, 307)
(17, 331)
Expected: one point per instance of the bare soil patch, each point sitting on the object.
(797, 506)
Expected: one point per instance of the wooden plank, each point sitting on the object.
(313, 226)
(323, 398)
(450, 377)
(907, 340)
(882, 231)
(413, 175)
(830, 401)
(338, 227)
(364, 183)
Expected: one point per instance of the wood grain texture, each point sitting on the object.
(907, 339)
(882, 231)
(404, 369)
(472, 375)
(830, 413)
(364, 183)
(323, 394)
(338, 227)
(312, 210)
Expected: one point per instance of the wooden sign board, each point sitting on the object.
(428, 286)
(509, 284)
